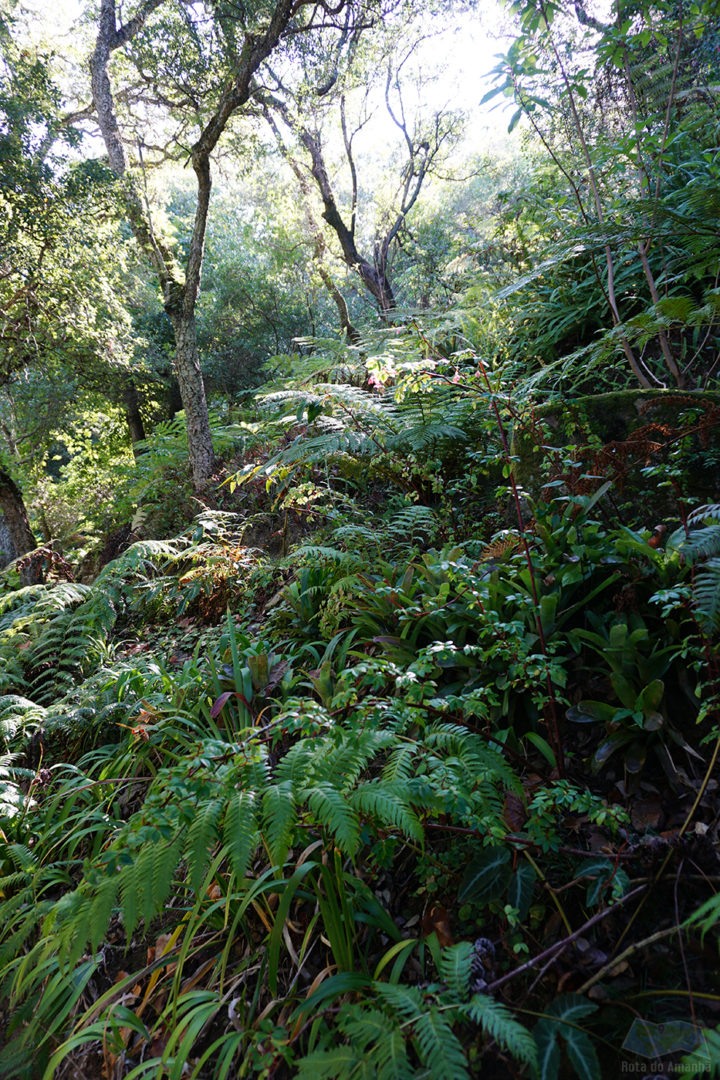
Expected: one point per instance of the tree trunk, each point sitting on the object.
(21, 535)
(172, 401)
(192, 392)
(133, 416)
(12, 505)
(179, 293)
(315, 231)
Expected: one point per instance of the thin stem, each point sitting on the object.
(631, 950)
(552, 722)
(554, 950)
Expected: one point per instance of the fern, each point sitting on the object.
(498, 1023)
(141, 895)
(707, 594)
(456, 965)
(340, 758)
(279, 816)
(406, 1001)
(331, 1064)
(240, 831)
(332, 810)
(380, 1043)
(413, 523)
(387, 804)
(700, 547)
(439, 1048)
(400, 765)
(705, 1060)
(201, 839)
(475, 760)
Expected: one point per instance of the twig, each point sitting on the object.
(630, 951)
(560, 946)
(681, 947)
(686, 824)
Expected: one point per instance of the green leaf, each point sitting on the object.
(649, 698)
(635, 758)
(570, 1008)
(500, 89)
(487, 876)
(287, 890)
(332, 988)
(543, 746)
(614, 742)
(602, 873)
(521, 889)
(582, 1054)
(626, 692)
(548, 610)
(590, 712)
(548, 1050)
(515, 119)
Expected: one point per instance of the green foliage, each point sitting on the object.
(699, 544)
(413, 1026)
(373, 806)
(560, 1028)
(620, 277)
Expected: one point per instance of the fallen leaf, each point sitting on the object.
(437, 920)
(646, 813)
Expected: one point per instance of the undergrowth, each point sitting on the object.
(416, 798)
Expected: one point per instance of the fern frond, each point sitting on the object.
(700, 544)
(500, 546)
(201, 839)
(328, 1064)
(701, 514)
(406, 1001)
(147, 881)
(279, 816)
(438, 1047)
(499, 1024)
(351, 755)
(705, 1060)
(456, 964)
(478, 761)
(332, 810)
(380, 1040)
(386, 803)
(400, 765)
(413, 523)
(21, 857)
(100, 910)
(240, 830)
(707, 594)
(320, 551)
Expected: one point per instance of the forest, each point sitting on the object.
(359, 539)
